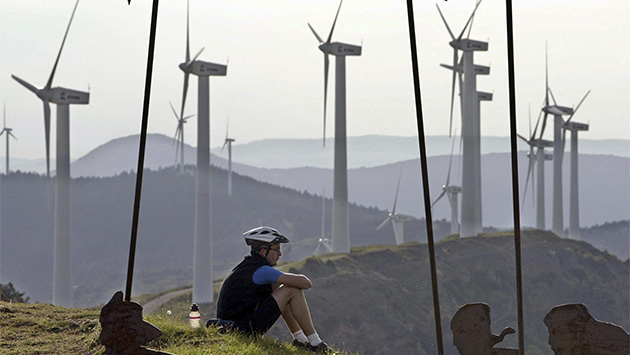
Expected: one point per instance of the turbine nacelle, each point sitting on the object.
(469, 45)
(452, 189)
(340, 49)
(484, 96)
(558, 110)
(541, 143)
(477, 69)
(201, 68)
(61, 95)
(576, 126)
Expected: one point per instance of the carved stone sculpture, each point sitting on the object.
(123, 329)
(472, 334)
(573, 331)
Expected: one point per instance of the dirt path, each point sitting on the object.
(156, 303)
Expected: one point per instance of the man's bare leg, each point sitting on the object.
(290, 321)
(293, 299)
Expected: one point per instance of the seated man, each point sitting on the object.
(254, 294)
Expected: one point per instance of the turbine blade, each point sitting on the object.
(439, 197)
(383, 224)
(546, 77)
(469, 20)
(450, 161)
(397, 189)
(224, 144)
(552, 97)
(185, 92)
(24, 83)
(47, 135)
(227, 128)
(450, 125)
(544, 124)
(445, 24)
(529, 111)
(537, 122)
(332, 29)
(189, 63)
(529, 170)
(326, 64)
(187, 31)
(315, 33)
(523, 138)
(578, 106)
(11, 134)
(52, 74)
(174, 112)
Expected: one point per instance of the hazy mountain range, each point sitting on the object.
(604, 178)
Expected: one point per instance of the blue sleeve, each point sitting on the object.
(265, 275)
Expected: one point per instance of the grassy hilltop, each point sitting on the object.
(378, 299)
(46, 329)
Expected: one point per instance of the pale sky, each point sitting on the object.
(274, 86)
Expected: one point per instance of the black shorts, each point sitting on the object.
(261, 319)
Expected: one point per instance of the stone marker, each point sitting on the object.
(472, 334)
(123, 329)
(573, 331)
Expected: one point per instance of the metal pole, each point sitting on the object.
(515, 198)
(143, 141)
(425, 177)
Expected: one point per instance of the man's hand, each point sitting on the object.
(295, 280)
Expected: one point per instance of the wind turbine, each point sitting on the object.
(179, 137)
(557, 224)
(539, 159)
(202, 259)
(62, 97)
(574, 200)
(9, 134)
(471, 221)
(451, 191)
(228, 142)
(340, 224)
(323, 243)
(397, 219)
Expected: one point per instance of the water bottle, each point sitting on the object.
(195, 316)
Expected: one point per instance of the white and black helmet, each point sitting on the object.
(264, 235)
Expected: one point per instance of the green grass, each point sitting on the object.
(47, 329)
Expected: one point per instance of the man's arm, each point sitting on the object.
(295, 280)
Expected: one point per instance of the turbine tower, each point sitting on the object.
(62, 97)
(340, 224)
(557, 223)
(539, 159)
(228, 142)
(451, 191)
(202, 259)
(9, 134)
(471, 221)
(397, 219)
(574, 200)
(179, 138)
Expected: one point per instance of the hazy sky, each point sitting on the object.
(274, 86)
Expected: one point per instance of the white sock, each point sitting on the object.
(313, 339)
(299, 336)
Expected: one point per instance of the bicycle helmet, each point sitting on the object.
(264, 235)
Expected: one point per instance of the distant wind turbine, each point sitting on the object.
(557, 223)
(537, 162)
(62, 97)
(202, 260)
(397, 219)
(228, 142)
(451, 191)
(323, 243)
(340, 225)
(471, 221)
(179, 137)
(574, 197)
(9, 134)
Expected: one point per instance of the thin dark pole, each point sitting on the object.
(425, 176)
(143, 141)
(515, 199)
